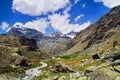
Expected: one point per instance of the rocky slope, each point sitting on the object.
(98, 32)
(53, 45)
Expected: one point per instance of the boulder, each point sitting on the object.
(23, 62)
(62, 68)
(95, 56)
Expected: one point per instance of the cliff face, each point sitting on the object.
(31, 43)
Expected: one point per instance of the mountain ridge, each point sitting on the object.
(99, 31)
(44, 42)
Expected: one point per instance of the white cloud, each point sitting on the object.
(4, 26)
(82, 26)
(84, 5)
(109, 3)
(38, 7)
(78, 17)
(58, 22)
(76, 1)
(62, 23)
(39, 25)
(67, 9)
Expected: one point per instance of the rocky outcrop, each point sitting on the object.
(62, 68)
(31, 43)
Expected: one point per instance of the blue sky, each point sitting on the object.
(49, 16)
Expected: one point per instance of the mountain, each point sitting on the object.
(97, 33)
(27, 32)
(54, 45)
(44, 42)
(68, 35)
(19, 30)
(94, 54)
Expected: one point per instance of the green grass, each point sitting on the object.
(48, 74)
(67, 56)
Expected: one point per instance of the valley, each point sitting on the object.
(93, 53)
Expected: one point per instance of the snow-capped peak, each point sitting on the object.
(59, 34)
(71, 34)
(18, 25)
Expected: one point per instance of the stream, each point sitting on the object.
(31, 73)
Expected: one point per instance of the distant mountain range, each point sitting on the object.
(18, 30)
(59, 34)
(54, 43)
